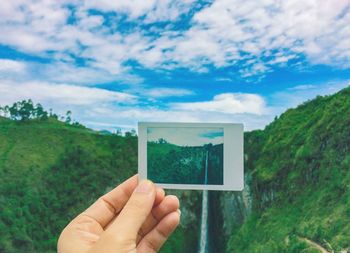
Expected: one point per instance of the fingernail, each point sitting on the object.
(179, 211)
(144, 187)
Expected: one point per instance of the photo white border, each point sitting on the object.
(233, 155)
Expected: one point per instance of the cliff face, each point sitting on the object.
(236, 206)
(297, 182)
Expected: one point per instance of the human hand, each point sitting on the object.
(130, 218)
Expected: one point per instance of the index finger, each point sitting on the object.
(110, 204)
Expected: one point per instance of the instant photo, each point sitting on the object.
(206, 156)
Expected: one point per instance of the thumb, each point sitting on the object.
(135, 212)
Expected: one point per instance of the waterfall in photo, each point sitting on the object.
(203, 241)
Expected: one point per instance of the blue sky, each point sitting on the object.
(114, 63)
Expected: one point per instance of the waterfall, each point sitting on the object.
(206, 168)
(203, 243)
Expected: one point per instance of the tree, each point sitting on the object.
(6, 110)
(68, 117)
(52, 115)
(131, 133)
(40, 112)
(162, 141)
(22, 110)
(25, 110)
(118, 132)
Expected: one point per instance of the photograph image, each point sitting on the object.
(185, 155)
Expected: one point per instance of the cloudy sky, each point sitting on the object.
(186, 136)
(114, 63)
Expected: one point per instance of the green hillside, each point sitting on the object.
(297, 171)
(50, 171)
(300, 181)
(172, 164)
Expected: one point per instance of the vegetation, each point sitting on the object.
(172, 164)
(216, 164)
(300, 180)
(51, 170)
(26, 110)
(298, 167)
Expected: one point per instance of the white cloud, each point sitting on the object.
(43, 30)
(60, 94)
(59, 72)
(255, 36)
(103, 109)
(167, 92)
(31, 25)
(228, 103)
(70, 73)
(255, 114)
(280, 30)
(135, 8)
(303, 87)
(252, 35)
(153, 10)
(127, 117)
(224, 79)
(11, 66)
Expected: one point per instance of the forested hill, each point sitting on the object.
(298, 177)
(296, 198)
(52, 170)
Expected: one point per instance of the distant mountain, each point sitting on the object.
(297, 196)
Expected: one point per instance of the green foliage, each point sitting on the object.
(68, 117)
(216, 164)
(185, 237)
(24, 110)
(172, 164)
(50, 171)
(300, 180)
(299, 165)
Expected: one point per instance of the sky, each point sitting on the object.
(186, 136)
(114, 63)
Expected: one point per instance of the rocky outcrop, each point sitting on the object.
(236, 206)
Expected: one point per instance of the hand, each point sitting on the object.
(130, 218)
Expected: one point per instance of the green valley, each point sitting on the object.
(296, 196)
(50, 171)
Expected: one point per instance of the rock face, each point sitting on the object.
(236, 206)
